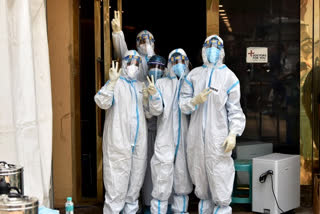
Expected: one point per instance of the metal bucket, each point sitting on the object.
(12, 174)
(18, 204)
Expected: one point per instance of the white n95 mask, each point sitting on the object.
(146, 49)
(132, 71)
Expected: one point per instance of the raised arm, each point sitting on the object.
(119, 42)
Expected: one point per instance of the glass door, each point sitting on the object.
(280, 92)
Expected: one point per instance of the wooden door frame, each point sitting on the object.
(212, 17)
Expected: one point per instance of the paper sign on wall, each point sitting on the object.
(257, 55)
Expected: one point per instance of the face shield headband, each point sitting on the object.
(214, 42)
(145, 38)
(178, 59)
(131, 59)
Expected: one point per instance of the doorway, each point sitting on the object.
(87, 106)
(174, 24)
(270, 90)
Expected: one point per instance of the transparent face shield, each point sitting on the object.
(179, 64)
(157, 66)
(133, 60)
(156, 70)
(213, 48)
(214, 42)
(178, 59)
(145, 39)
(132, 66)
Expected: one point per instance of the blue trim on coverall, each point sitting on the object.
(234, 85)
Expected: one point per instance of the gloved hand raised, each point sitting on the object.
(145, 94)
(230, 142)
(201, 97)
(115, 23)
(114, 75)
(151, 88)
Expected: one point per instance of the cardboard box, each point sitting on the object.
(316, 194)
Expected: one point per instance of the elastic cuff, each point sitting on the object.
(195, 106)
(116, 32)
(233, 133)
(154, 97)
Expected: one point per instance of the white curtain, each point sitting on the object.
(25, 93)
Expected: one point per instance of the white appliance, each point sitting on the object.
(286, 183)
(249, 150)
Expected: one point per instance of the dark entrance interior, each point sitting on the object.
(269, 91)
(174, 24)
(87, 105)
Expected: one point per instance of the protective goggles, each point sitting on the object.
(157, 65)
(145, 38)
(213, 43)
(178, 59)
(133, 60)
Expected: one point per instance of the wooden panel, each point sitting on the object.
(98, 62)
(212, 17)
(119, 3)
(75, 108)
(61, 61)
(107, 41)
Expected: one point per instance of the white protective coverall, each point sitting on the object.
(124, 143)
(120, 48)
(169, 164)
(211, 169)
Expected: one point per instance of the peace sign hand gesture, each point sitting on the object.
(151, 88)
(201, 97)
(114, 73)
(115, 23)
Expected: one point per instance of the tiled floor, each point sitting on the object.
(306, 201)
(236, 210)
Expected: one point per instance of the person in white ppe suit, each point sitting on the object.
(211, 94)
(145, 46)
(124, 137)
(169, 164)
(157, 67)
(144, 43)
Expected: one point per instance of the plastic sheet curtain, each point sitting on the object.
(25, 93)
